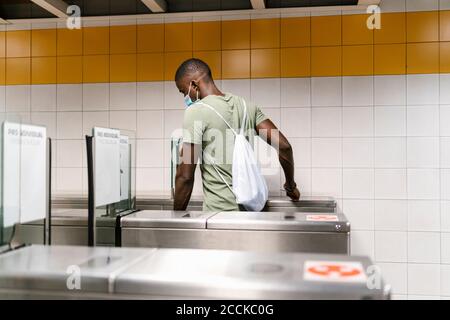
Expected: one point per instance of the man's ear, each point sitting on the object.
(194, 84)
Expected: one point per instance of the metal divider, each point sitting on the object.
(48, 219)
(91, 191)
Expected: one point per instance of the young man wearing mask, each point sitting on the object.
(206, 135)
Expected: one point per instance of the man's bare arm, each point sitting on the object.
(184, 179)
(270, 133)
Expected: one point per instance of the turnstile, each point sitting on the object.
(68, 227)
(250, 231)
(55, 272)
(274, 204)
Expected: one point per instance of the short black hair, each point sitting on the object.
(191, 66)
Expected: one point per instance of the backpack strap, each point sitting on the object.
(244, 121)
(207, 105)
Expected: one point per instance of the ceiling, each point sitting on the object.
(25, 9)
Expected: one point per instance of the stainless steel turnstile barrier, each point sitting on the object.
(68, 227)
(277, 204)
(250, 231)
(50, 272)
(164, 228)
(280, 232)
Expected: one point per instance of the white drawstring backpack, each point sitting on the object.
(249, 186)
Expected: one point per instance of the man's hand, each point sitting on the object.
(292, 192)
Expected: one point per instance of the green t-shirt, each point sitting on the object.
(203, 126)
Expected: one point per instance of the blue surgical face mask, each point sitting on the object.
(187, 98)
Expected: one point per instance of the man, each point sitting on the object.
(207, 136)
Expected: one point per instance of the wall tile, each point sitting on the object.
(326, 122)
(69, 153)
(150, 95)
(445, 216)
(125, 120)
(445, 245)
(390, 184)
(327, 182)
(444, 91)
(357, 152)
(95, 96)
(423, 121)
(360, 213)
(390, 121)
(423, 215)
(391, 215)
(395, 274)
(239, 87)
(150, 153)
(266, 92)
(326, 92)
(173, 123)
(296, 122)
(444, 116)
(390, 90)
(69, 181)
(390, 152)
(69, 97)
(358, 183)
(423, 152)
(423, 89)
(173, 99)
(424, 247)
(295, 92)
(424, 279)
(327, 152)
(93, 119)
(47, 119)
(385, 251)
(358, 91)
(423, 184)
(302, 151)
(18, 98)
(444, 152)
(150, 124)
(2, 98)
(357, 121)
(122, 96)
(69, 125)
(43, 97)
(445, 184)
(149, 181)
(445, 281)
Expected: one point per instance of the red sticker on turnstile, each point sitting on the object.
(322, 217)
(334, 271)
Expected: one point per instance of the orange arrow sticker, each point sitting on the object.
(322, 217)
(334, 271)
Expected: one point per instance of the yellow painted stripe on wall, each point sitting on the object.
(408, 43)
